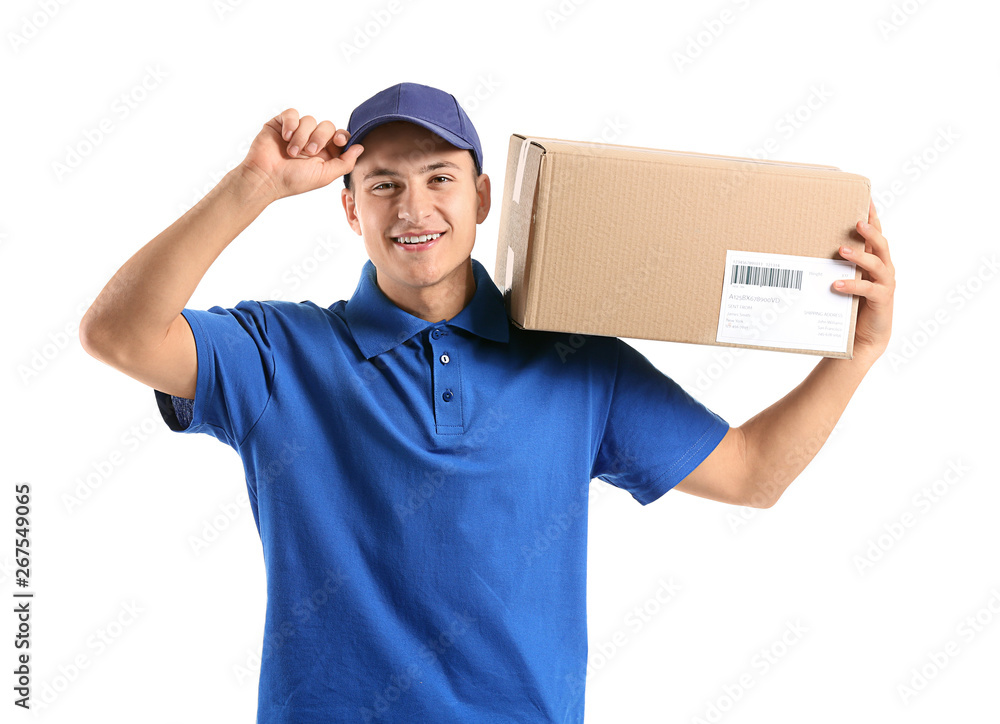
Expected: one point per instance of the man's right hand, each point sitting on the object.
(317, 159)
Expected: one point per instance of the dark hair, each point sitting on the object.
(475, 173)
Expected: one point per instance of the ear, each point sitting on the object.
(347, 199)
(483, 192)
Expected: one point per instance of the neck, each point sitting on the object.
(440, 301)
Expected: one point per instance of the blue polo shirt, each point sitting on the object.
(421, 488)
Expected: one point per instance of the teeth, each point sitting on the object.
(416, 239)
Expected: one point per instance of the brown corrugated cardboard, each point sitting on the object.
(632, 242)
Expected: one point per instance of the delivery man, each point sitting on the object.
(418, 467)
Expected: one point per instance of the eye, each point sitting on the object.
(441, 177)
(379, 186)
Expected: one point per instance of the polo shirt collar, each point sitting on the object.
(378, 325)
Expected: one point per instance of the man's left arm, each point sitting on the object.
(755, 462)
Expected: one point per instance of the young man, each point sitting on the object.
(418, 467)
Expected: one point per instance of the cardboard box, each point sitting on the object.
(645, 243)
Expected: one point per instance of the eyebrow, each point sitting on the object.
(395, 174)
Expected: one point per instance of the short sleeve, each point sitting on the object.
(235, 374)
(656, 433)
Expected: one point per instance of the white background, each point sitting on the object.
(871, 87)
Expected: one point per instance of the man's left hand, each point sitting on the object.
(877, 285)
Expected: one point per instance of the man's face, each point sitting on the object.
(410, 181)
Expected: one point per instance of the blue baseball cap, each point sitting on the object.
(423, 105)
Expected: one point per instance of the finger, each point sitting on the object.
(335, 145)
(873, 216)
(319, 138)
(307, 124)
(288, 120)
(871, 263)
(875, 242)
(872, 291)
(341, 137)
(341, 164)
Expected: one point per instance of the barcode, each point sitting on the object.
(765, 276)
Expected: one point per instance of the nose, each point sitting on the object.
(415, 203)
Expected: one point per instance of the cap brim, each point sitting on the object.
(358, 136)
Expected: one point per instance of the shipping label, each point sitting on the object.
(785, 301)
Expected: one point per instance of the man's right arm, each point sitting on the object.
(135, 324)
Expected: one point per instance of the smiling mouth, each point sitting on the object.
(414, 240)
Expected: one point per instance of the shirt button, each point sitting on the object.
(435, 333)
(445, 359)
(447, 396)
